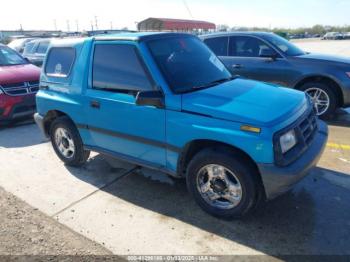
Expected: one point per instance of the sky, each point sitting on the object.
(49, 14)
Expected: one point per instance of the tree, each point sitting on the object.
(222, 28)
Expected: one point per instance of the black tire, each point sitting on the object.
(333, 105)
(243, 170)
(80, 155)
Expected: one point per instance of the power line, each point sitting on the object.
(188, 9)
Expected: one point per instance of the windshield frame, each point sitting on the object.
(269, 38)
(194, 88)
(10, 50)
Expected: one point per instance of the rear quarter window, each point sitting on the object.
(60, 61)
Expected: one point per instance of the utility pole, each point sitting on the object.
(77, 23)
(111, 25)
(55, 24)
(92, 26)
(68, 27)
(96, 25)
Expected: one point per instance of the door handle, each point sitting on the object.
(237, 66)
(95, 104)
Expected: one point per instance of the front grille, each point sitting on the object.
(22, 88)
(308, 128)
(305, 128)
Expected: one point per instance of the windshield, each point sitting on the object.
(284, 45)
(10, 57)
(187, 63)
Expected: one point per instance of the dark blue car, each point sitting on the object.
(271, 58)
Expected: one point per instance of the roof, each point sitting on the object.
(256, 33)
(176, 24)
(140, 36)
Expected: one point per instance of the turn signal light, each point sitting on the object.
(250, 129)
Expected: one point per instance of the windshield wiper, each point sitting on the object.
(216, 82)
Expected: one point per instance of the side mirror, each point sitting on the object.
(27, 60)
(268, 53)
(150, 98)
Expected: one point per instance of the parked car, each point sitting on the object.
(270, 58)
(137, 97)
(333, 36)
(18, 44)
(35, 51)
(347, 35)
(19, 82)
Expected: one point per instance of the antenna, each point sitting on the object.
(188, 9)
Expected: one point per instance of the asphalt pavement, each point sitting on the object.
(139, 211)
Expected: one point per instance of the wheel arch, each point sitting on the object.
(195, 146)
(50, 116)
(326, 79)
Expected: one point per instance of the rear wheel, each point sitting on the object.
(222, 184)
(323, 98)
(67, 142)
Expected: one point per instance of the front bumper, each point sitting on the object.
(346, 93)
(17, 107)
(278, 180)
(39, 120)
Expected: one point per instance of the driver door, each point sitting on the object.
(116, 124)
(244, 59)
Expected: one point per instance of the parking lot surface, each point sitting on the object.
(139, 211)
(334, 47)
(26, 231)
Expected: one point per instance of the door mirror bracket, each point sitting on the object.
(150, 98)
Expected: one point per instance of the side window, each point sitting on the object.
(28, 48)
(42, 47)
(117, 67)
(60, 61)
(246, 46)
(218, 45)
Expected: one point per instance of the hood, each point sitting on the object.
(19, 73)
(326, 58)
(246, 101)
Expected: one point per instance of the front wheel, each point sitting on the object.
(222, 183)
(67, 142)
(323, 98)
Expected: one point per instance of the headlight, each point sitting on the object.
(288, 141)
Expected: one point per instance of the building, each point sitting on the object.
(178, 25)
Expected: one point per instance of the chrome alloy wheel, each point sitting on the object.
(319, 98)
(64, 142)
(219, 186)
